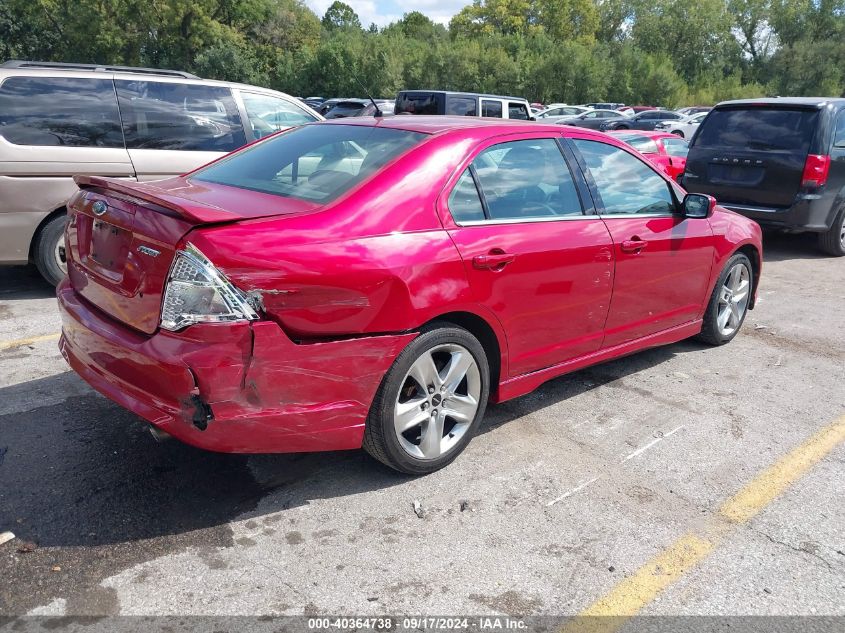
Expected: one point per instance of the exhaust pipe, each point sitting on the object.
(159, 435)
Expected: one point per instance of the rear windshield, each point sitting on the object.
(758, 128)
(418, 103)
(316, 163)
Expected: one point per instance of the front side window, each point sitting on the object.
(315, 163)
(461, 106)
(625, 183)
(517, 111)
(59, 111)
(174, 116)
(491, 108)
(268, 114)
(526, 179)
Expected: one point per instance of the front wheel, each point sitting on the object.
(430, 402)
(729, 302)
(678, 133)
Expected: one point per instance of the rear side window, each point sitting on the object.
(758, 128)
(491, 108)
(268, 114)
(526, 179)
(316, 163)
(517, 111)
(676, 147)
(418, 103)
(839, 134)
(461, 106)
(174, 116)
(626, 184)
(641, 144)
(59, 111)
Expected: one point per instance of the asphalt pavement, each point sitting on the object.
(685, 480)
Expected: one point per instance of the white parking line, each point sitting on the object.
(643, 449)
(572, 492)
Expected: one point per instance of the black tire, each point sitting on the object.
(678, 133)
(622, 127)
(710, 331)
(380, 439)
(45, 250)
(832, 241)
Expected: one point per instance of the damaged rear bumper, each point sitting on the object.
(251, 387)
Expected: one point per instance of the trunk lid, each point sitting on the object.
(121, 238)
(751, 155)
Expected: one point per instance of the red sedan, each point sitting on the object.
(375, 282)
(667, 151)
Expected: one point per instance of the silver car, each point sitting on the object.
(58, 120)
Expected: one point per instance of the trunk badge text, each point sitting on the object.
(99, 208)
(146, 250)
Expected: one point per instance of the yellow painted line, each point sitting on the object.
(774, 480)
(612, 611)
(28, 341)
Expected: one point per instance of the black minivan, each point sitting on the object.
(779, 161)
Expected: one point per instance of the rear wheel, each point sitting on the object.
(49, 250)
(430, 402)
(729, 302)
(832, 241)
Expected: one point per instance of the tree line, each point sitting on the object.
(659, 52)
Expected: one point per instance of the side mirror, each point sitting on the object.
(698, 205)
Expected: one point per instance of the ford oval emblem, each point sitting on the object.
(99, 208)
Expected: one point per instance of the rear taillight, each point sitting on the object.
(815, 170)
(197, 292)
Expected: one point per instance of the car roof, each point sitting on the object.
(139, 74)
(436, 124)
(817, 102)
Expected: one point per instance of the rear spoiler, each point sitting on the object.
(150, 196)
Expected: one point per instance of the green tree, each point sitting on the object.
(341, 16)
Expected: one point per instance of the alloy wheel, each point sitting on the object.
(437, 402)
(733, 299)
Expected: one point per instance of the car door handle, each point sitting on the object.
(495, 260)
(634, 245)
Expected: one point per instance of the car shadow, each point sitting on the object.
(85, 472)
(779, 247)
(23, 282)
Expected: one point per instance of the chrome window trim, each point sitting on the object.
(527, 220)
(638, 215)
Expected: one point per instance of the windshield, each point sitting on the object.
(316, 163)
(758, 128)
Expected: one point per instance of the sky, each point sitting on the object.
(383, 12)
